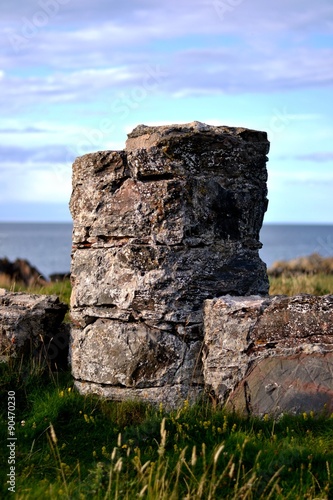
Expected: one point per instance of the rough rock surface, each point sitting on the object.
(287, 384)
(158, 228)
(270, 355)
(28, 322)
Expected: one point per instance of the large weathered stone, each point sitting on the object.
(270, 354)
(28, 323)
(158, 228)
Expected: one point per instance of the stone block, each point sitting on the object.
(28, 323)
(269, 354)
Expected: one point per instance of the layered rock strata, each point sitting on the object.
(172, 220)
(270, 355)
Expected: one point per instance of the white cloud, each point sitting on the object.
(44, 184)
(106, 46)
(122, 23)
(97, 57)
(197, 73)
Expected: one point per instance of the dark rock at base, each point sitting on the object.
(21, 272)
(57, 348)
(287, 384)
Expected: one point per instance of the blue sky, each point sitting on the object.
(77, 75)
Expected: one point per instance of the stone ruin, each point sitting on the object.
(169, 222)
(161, 229)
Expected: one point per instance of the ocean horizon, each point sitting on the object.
(47, 246)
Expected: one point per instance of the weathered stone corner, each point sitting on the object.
(160, 227)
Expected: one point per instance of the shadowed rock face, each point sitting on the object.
(172, 220)
(270, 355)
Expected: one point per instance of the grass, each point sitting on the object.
(71, 446)
(316, 284)
(82, 447)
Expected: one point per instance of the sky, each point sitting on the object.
(76, 76)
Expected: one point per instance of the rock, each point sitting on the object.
(313, 264)
(158, 228)
(29, 323)
(168, 396)
(21, 272)
(287, 384)
(269, 354)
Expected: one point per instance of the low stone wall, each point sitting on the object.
(270, 355)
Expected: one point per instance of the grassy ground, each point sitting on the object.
(316, 284)
(71, 446)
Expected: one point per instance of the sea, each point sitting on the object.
(47, 246)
